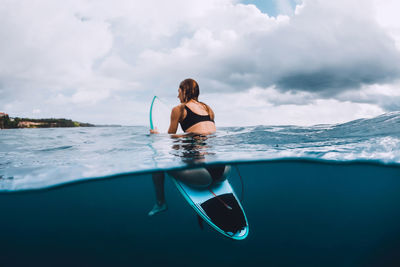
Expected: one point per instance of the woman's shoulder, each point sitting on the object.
(179, 107)
(178, 110)
(209, 111)
(207, 107)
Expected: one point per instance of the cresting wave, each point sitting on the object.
(376, 139)
(40, 158)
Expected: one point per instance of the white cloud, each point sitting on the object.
(387, 96)
(260, 107)
(92, 60)
(285, 7)
(386, 13)
(327, 47)
(47, 40)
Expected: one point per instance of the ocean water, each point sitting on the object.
(327, 195)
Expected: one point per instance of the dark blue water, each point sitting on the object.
(301, 213)
(318, 196)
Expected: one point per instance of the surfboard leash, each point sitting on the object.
(220, 200)
(241, 181)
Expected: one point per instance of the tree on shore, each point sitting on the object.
(7, 123)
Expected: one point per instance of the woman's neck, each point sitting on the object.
(192, 100)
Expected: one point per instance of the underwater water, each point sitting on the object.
(326, 195)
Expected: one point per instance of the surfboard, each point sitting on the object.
(218, 204)
(159, 114)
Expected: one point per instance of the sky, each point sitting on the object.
(276, 62)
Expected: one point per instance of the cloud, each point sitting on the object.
(75, 58)
(336, 47)
(259, 107)
(324, 48)
(386, 96)
(285, 7)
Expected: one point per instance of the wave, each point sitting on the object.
(387, 124)
(377, 138)
(55, 148)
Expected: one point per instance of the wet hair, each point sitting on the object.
(190, 90)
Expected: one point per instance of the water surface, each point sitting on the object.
(326, 195)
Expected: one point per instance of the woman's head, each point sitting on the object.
(188, 90)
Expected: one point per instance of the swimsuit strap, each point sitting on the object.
(193, 118)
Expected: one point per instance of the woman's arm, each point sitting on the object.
(209, 110)
(212, 115)
(175, 117)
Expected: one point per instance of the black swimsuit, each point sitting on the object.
(192, 119)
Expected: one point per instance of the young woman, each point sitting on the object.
(194, 117)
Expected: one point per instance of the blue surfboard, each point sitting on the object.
(217, 205)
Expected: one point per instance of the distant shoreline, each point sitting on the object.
(7, 122)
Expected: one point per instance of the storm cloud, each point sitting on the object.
(324, 48)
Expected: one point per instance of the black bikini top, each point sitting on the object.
(192, 119)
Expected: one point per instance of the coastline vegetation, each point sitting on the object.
(12, 123)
